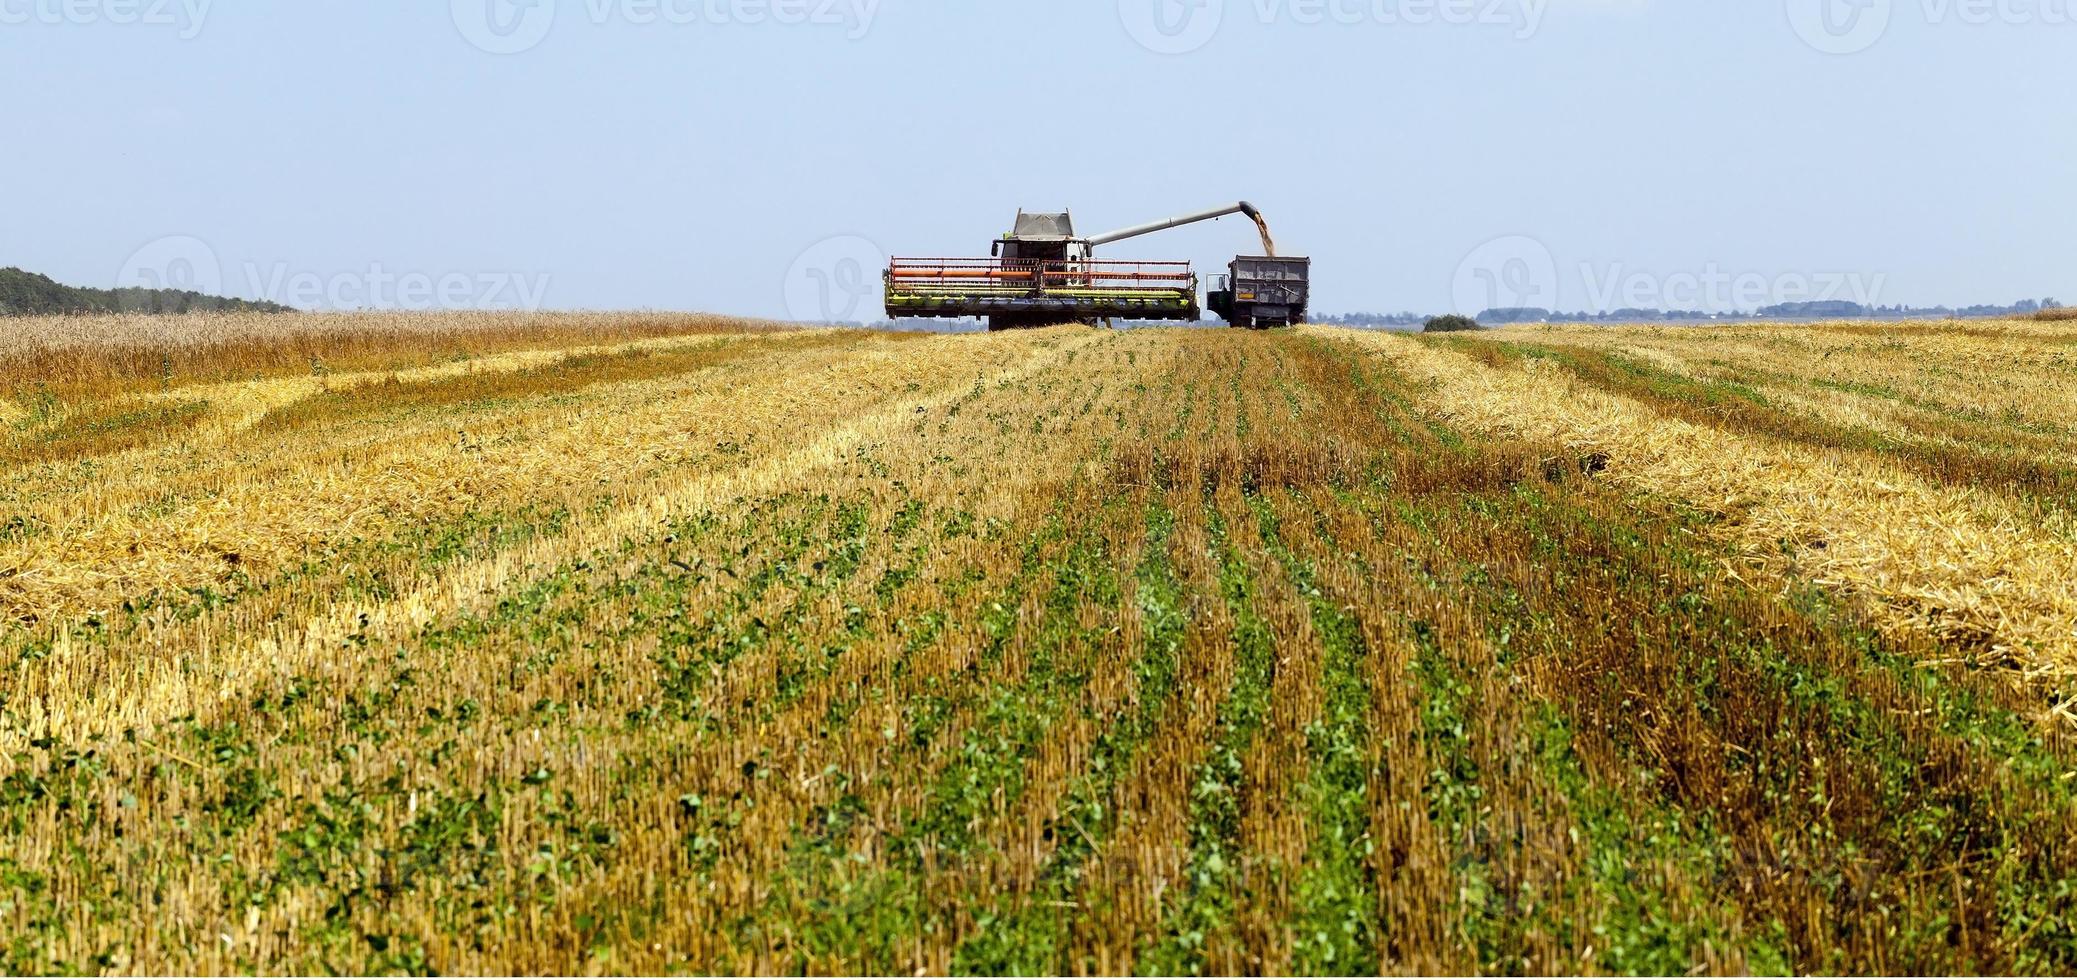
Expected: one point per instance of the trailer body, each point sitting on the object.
(1261, 291)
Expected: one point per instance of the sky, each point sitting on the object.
(764, 157)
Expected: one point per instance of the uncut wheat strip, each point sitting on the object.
(164, 689)
(238, 406)
(99, 358)
(1958, 563)
(174, 332)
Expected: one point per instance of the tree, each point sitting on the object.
(1450, 324)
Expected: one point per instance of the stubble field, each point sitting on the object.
(615, 644)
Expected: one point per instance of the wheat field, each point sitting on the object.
(626, 644)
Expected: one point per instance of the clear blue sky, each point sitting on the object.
(624, 160)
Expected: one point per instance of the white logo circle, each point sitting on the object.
(1515, 272)
(1172, 26)
(177, 262)
(1840, 26)
(504, 26)
(837, 280)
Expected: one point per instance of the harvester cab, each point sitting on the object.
(1041, 272)
(1042, 236)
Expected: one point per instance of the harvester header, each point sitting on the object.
(1037, 292)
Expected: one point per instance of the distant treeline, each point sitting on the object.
(29, 294)
(1370, 319)
(1822, 310)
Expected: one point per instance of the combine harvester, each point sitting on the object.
(1041, 273)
